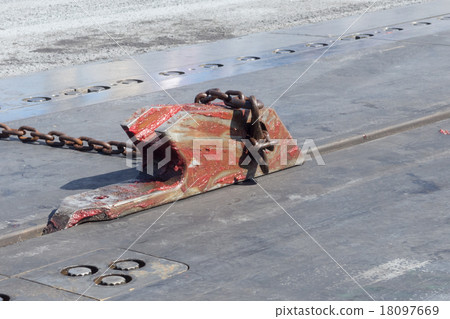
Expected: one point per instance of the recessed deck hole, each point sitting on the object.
(316, 45)
(130, 81)
(36, 99)
(392, 29)
(283, 51)
(420, 23)
(4, 297)
(95, 89)
(211, 65)
(248, 58)
(72, 92)
(357, 36)
(171, 73)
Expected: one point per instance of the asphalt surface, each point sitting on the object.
(42, 35)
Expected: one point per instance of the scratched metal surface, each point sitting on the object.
(380, 209)
(374, 208)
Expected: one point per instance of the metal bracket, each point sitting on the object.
(186, 150)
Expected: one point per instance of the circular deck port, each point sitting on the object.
(171, 73)
(316, 45)
(130, 81)
(211, 65)
(421, 23)
(357, 36)
(36, 99)
(113, 280)
(79, 271)
(4, 297)
(128, 264)
(283, 51)
(248, 58)
(392, 29)
(95, 89)
(72, 92)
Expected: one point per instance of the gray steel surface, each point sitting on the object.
(380, 209)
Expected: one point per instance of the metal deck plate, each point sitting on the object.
(23, 290)
(370, 88)
(153, 271)
(375, 208)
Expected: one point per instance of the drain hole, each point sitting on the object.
(130, 81)
(283, 51)
(113, 280)
(36, 99)
(4, 297)
(127, 264)
(211, 65)
(421, 23)
(95, 89)
(171, 73)
(316, 45)
(389, 29)
(357, 36)
(72, 92)
(248, 58)
(445, 18)
(79, 271)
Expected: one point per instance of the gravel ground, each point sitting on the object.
(46, 34)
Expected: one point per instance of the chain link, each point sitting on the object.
(257, 133)
(28, 134)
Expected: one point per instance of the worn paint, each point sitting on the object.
(181, 179)
(144, 125)
(82, 214)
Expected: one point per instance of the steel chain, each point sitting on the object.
(257, 134)
(28, 134)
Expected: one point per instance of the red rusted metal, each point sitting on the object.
(182, 131)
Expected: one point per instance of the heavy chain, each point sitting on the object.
(28, 134)
(257, 132)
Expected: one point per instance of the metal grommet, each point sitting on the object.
(128, 264)
(79, 271)
(112, 280)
